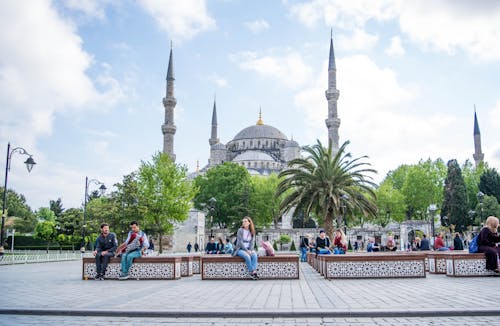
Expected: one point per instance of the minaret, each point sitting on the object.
(332, 95)
(478, 154)
(168, 128)
(213, 136)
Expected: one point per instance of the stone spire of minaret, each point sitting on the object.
(168, 128)
(478, 154)
(213, 136)
(332, 95)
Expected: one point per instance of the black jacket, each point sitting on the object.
(108, 243)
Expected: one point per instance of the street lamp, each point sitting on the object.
(29, 165)
(102, 189)
(344, 198)
(211, 206)
(432, 213)
(480, 198)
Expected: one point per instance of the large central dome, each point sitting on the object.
(260, 131)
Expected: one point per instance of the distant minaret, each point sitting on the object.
(213, 136)
(169, 102)
(478, 154)
(332, 95)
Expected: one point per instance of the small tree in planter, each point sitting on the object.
(292, 246)
(284, 239)
(275, 246)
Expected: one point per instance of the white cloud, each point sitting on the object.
(46, 74)
(445, 26)
(290, 69)
(257, 26)
(90, 8)
(395, 49)
(217, 80)
(358, 40)
(180, 19)
(495, 115)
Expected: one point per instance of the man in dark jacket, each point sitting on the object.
(458, 244)
(211, 247)
(424, 243)
(106, 245)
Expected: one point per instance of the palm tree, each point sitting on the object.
(324, 182)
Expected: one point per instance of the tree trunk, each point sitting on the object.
(329, 225)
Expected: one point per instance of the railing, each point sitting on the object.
(39, 256)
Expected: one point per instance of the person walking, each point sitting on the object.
(105, 248)
(458, 244)
(196, 247)
(188, 247)
(304, 247)
(245, 242)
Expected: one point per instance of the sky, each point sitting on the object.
(82, 81)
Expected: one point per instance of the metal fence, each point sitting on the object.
(39, 256)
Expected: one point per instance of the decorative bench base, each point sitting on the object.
(225, 267)
(467, 265)
(196, 264)
(186, 266)
(373, 265)
(150, 268)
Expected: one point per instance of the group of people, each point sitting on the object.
(135, 245)
(322, 245)
(219, 247)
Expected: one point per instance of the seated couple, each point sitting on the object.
(323, 244)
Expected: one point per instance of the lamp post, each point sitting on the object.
(211, 206)
(432, 213)
(480, 198)
(29, 165)
(102, 189)
(344, 198)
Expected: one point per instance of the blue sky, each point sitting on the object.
(82, 82)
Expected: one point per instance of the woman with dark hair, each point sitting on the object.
(245, 242)
(488, 243)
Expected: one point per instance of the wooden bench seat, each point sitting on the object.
(226, 267)
(373, 265)
(151, 268)
(466, 264)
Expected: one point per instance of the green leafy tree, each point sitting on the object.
(230, 185)
(45, 214)
(165, 192)
(70, 224)
(56, 207)
(101, 210)
(489, 183)
(423, 185)
(455, 205)
(301, 220)
(490, 207)
(391, 203)
(46, 230)
(19, 214)
(472, 175)
(324, 181)
(264, 207)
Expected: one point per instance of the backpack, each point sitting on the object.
(473, 247)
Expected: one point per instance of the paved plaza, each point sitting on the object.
(54, 293)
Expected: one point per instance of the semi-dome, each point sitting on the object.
(260, 131)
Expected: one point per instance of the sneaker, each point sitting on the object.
(123, 277)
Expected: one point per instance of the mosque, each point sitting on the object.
(263, 149)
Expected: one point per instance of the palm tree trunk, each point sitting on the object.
(329, 224)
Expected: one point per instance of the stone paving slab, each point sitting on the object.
(58, 287)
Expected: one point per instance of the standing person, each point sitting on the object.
(245, 242)
(323, 244)
(105, 248)
(196, 247)
(151, 247)
(356, 246)
(136, 243)
(458, 244)
(304, 247)
(188, 247)
(488, 243)
(339, 242)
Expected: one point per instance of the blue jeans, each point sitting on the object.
(443, 249)
(250, 259)
(303, 254)
(128, 259)
(338, 251)
(324, 251)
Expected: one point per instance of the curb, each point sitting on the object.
(255, 314)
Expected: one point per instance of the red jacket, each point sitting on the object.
(337, 242)
(438, 243)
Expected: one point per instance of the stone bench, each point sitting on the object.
(226, 267)
(150, 268)
(373, 265)
(186, 266)
(466, 264)
(196, 264)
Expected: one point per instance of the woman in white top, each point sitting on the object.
(245, 242)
